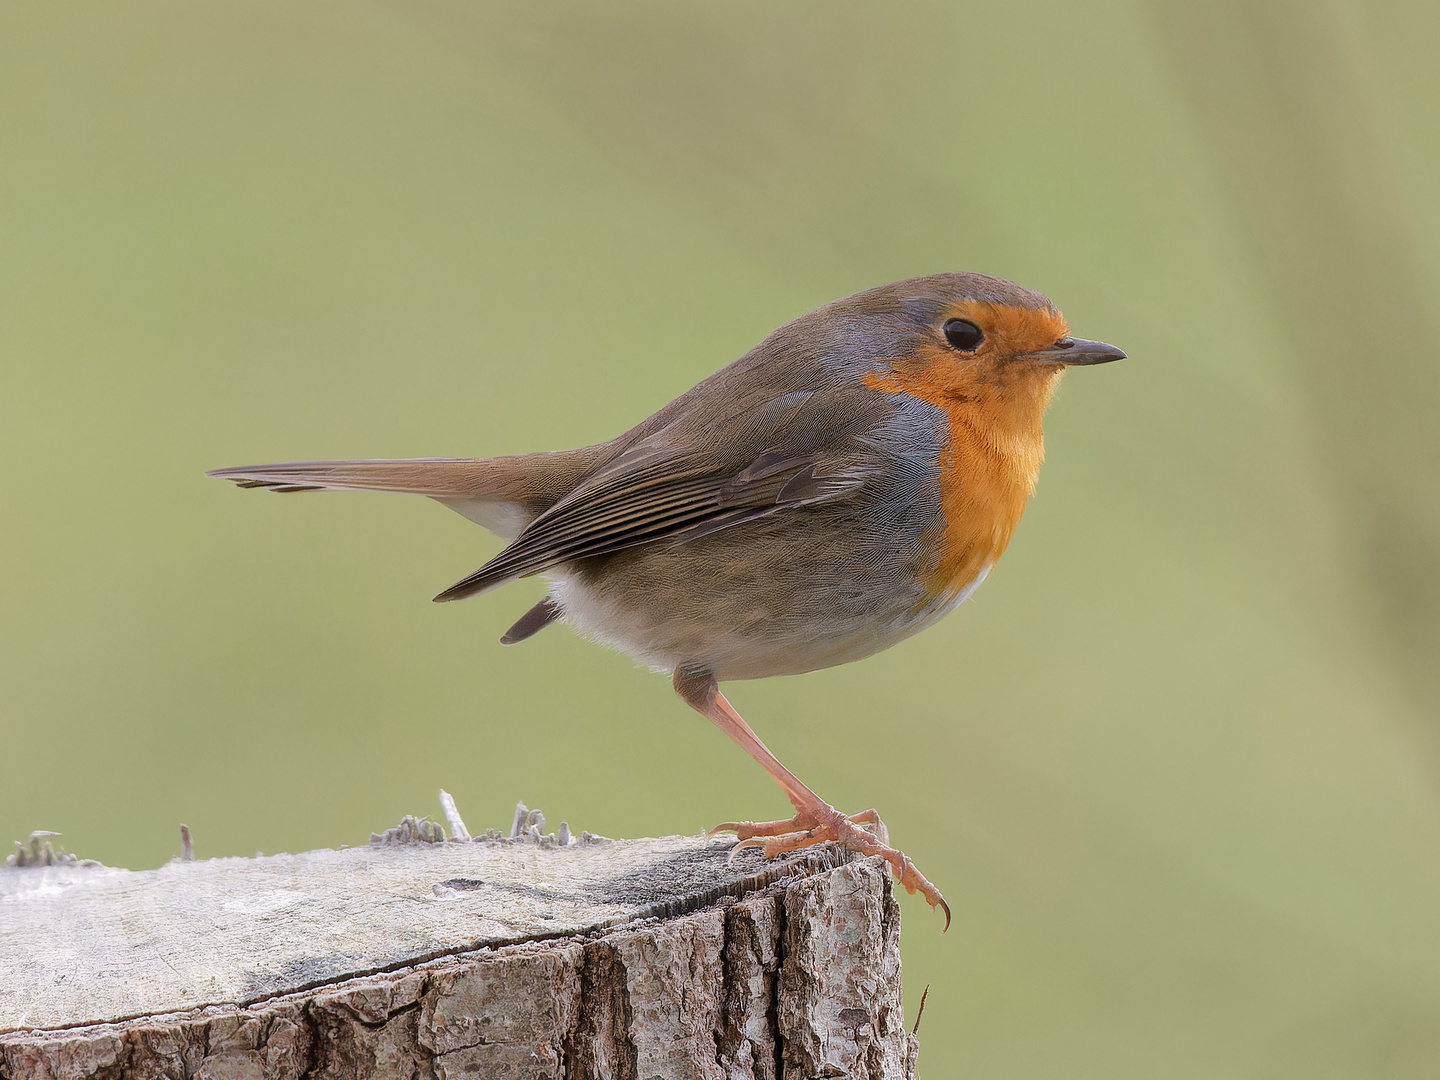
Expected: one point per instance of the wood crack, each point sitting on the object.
(794, 979)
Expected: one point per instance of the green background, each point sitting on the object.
(1175, 765)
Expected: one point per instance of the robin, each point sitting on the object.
(841, 486)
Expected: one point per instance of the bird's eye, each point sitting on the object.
(964, 334)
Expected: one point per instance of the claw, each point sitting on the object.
(744, 830)
(771, 846)
(809, 827)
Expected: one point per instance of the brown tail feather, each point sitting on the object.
(502, 494)
(419, 476)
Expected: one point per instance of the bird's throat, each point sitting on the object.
(989, 467)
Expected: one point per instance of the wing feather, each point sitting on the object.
(695, 475)
(662, 500)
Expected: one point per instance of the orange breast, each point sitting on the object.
(989, 468)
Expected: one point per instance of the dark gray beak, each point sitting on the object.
(1074, 352)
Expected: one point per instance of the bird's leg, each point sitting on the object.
(815, 820)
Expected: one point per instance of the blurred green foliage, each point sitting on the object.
(1175, 766)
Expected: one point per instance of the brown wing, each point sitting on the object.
(658, 491)
(660, 499)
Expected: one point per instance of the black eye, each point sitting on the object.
(964, 334)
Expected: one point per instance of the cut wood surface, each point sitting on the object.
(420, 956)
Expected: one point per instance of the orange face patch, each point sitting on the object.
(1011, 331)
(994, 401)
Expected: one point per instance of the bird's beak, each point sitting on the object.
(1074, 352)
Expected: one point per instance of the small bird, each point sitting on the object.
(838, 488)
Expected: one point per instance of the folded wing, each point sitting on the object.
(682, 483)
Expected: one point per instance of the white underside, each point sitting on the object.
(969, 590)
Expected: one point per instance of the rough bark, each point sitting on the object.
(647, 960)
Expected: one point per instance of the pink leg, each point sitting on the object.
(815, 820)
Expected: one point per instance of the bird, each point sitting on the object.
(843, 485)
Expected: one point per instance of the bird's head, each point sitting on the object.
(973, 343)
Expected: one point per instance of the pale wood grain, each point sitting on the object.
(644, 958)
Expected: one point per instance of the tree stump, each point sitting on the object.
(424, 956)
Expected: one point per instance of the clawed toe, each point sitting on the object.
(863, 832)
(914, 882)
(772, 846)
(745, 830)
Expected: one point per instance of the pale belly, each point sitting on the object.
(735, 636)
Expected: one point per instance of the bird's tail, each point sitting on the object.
(503, 494)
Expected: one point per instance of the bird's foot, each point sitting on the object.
(863, 832)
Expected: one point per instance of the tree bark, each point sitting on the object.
(439, 958)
